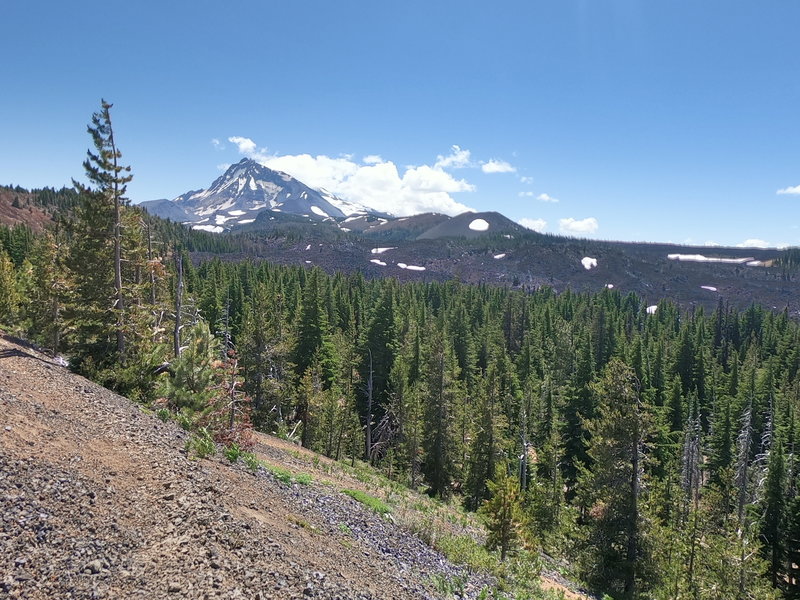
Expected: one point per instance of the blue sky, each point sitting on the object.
(620, 119)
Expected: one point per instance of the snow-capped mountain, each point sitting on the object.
(249, 186)
(347, 207)
(246, 189)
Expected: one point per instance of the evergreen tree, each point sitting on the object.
(503, 512)
(264, 346)
(9, 295)
(190, 389)
(443, 389)
(578, 410)
(486, 448)
(773, 522)
(100, 228)
(312, 325)
(377, 351)
(49, 293)
(793, 549)
(617, 557)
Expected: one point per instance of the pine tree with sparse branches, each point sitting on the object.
(96, 254)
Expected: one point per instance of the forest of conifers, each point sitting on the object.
(657, 453)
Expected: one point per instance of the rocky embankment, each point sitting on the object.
(99, 499)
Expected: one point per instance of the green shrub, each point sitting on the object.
(464, 550)
(449, 586)
(371, 501)
(280, 473)
(345, 528)
(233, 452)
(250, 461)
(201, 445)
(302, 478)
(184, 420)
(163, 414)
(286, 476)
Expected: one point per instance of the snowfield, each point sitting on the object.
(479, 225)
(588, 263)
(701, 258)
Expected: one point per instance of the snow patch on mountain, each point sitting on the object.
(210, 228)
(479, 225)
(588, 263)
(709, 259)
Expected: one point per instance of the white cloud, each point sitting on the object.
(546, 198)
(429, 179)
(754, 243)
(792, 190)
(224, 166)
(217, 144)
(526, 180)
(315, 171)
(245, 145)
(570, 225)
(526, 194)
(457, 159)
(376, 183)
(535, 224)
(497, 166)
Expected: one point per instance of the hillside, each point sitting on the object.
(100, 500)
(36, 208)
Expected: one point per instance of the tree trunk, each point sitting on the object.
(120, 300)
(633, 528)
(368, 437)
(176, 335)
(150, 265)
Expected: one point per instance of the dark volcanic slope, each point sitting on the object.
(405, 228)
(473, 225)
(530, 260)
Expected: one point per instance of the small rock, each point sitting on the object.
(174, 587)
(94, 566)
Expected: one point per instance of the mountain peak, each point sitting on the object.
(246, 189)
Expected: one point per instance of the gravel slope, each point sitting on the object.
(99, 500)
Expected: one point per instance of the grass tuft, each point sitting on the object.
(286, 476)
(372, 502)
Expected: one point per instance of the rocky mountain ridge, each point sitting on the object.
(245, 190)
